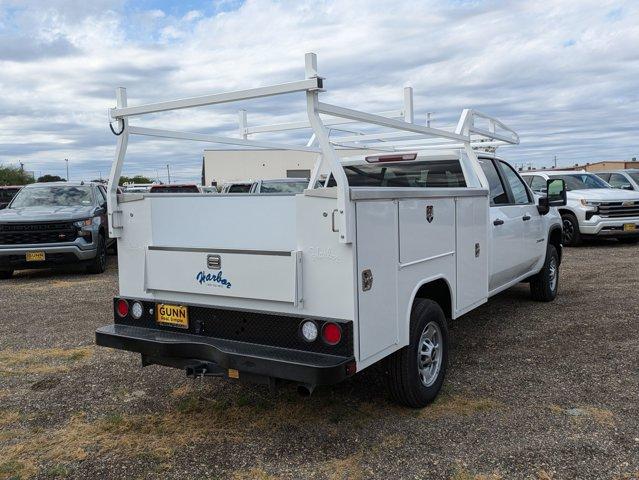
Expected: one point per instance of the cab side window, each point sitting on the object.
(619, 181)
(538, 184)
(498, 195)
(517, 186)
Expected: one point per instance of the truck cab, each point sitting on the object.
(369, 263)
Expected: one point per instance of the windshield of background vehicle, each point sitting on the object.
(53, 197)
(634, 176)
(582, 181)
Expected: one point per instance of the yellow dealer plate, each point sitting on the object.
(35, 256)
(629, 227)
(173, 315)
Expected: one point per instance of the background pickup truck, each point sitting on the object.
(50, 224)
(367, 266)
(594, 209)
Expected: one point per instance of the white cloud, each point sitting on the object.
(564, 74)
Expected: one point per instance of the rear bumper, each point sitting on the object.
(15, 256)
(254, 359)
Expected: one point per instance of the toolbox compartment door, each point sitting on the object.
(264, 275)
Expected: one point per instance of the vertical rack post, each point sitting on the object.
(328, 160)
(113, 211)
(408, 105)
(241, 119)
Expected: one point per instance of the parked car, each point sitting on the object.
(315, 287)
(49, 224)
(623, 179)
(237, 187)
(594, 208)
(7, 192)
(175, 188)
(280, 185)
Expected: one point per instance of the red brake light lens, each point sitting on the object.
(332, 333)
(391, 158)
(122, 307)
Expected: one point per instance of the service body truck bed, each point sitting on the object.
(314, 287)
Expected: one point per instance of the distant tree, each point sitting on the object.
(51, 178)
(135, 179)
(14, 176)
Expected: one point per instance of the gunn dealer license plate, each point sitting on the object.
(629, 227)
(35, 256)
(173, 315)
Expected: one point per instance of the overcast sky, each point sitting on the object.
(564, 74)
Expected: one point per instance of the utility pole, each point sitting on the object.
(67, 162)
(555, 161)
(429, 116)
(168, 173)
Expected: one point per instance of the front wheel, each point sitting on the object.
(571, 234)
(544, 285)
(416, 372)
(98, 264)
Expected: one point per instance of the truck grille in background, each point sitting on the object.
(32, 233)
(619, 209)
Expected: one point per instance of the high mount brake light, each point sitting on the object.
(405, 157)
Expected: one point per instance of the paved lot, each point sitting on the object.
(534, 391)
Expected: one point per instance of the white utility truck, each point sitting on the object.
(366, 265)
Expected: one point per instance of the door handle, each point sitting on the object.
(525, 218)
(498, 221)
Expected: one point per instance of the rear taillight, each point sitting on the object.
(122, 307)
(331, 333)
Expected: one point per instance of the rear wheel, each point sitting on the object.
(571, 234)
(98, 264)
(6, 274)
(544, 285)
(417, 371)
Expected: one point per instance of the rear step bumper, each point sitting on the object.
(261, 360)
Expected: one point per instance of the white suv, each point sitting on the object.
(594, 208)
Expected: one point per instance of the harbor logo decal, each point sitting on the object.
(429, 213)
(213, 280)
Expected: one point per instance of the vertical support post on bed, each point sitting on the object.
(328, 159)
(113, 210)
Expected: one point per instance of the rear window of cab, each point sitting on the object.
(424, 174)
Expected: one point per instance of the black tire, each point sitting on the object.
(98, 264)
(542, 286)
(571, 235)
(628, 240)
(6, 274)
(404, 379)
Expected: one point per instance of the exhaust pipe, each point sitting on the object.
(305, 389)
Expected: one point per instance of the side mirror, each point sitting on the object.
(556, 196)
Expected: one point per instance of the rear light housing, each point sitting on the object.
(122, 307)
(331, 333)
(137, 310)
(402, 157)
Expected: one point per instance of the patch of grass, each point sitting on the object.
(450, 405)
(349, 468)
(42, 361)
(188, 404)
(57, 471)
(8, 417)
(601, 416)
(12, 469)
(252, 474)
(461, 473)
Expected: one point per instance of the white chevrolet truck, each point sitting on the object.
(368, 264)
(594, 209)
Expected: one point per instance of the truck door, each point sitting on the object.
(533, 239)
(508, 260)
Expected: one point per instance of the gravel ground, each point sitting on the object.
(534, 391)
